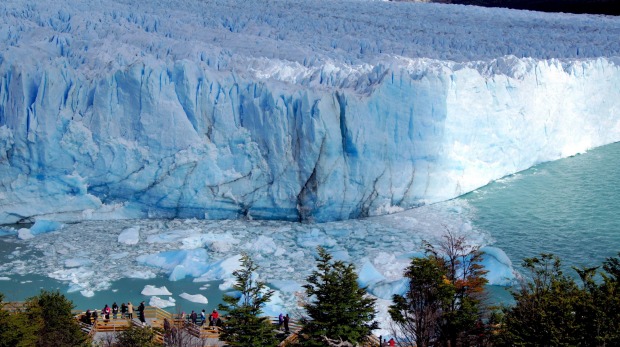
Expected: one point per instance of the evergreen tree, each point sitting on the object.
(608, 299)
(50, 313)
(15, 329)
(544, 313)
(137, 336)
(339, 308)
(551, 309)
(244, 325)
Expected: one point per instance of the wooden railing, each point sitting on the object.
(14, 306)
(111, 325)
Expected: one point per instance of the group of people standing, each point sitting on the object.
(214, 318)
(125, 310)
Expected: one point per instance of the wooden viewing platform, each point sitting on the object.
(201, 335)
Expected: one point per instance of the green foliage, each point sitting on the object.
(444, 300)
(244, 325)
(15, 330)
(418, 312)
(465, 273)
(552, 309)
(50, 313)
(340, 309)
(137, 336)
(543, 314)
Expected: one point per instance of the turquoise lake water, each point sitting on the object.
(570, 207)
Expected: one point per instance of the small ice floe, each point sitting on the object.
(152, 290)
(198, 298)
(162, 303)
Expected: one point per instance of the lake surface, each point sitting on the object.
(570, 207)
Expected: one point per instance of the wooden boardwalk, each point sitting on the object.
(182, 333)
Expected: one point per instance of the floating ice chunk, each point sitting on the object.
(218, 242)
(179, 263)
(4, 278)
(315, 238)
(261, 245)
(226, 285)
(152, 290)
(77, 262)
(368, 274)
(130, 236)
(87, 293)
(386, 289)
(145, 275)
(43, 226)
(274, 306)
(341, 254)
(171, 236)
(287, 286)
(7, 231)
(499, 266)
(199, 298)
(24, 234)
(117, 256)
(162, 303)
(221, 269)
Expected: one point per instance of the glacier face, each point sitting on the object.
(311, 110)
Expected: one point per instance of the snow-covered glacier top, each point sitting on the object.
(298, 110)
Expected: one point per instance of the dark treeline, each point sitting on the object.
(608, 7)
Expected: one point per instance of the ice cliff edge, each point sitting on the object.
(274, 137)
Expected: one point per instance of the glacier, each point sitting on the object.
(288, 110)
(285, 110)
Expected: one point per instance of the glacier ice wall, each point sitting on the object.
(114, 114)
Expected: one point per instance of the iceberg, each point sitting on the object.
(110, 112)
(178, 263)
(152, 290)
(129, 236)
(198, 298)
(162, 303)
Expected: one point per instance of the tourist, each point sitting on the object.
(87, 317)
(129, 310)
(203, 317)
(95, 316)
(141, 313)
(123, 310)
(286, 320)
(114, 310)
(106, 312)
(214, 318)
(391, 343)
(280, 321)
(193, 316)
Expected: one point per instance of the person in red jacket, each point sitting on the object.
(214, 317)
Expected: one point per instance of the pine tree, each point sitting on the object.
(544, 312)
(339, 308)
(244, 325)
(15, 329)
(50, 312)
(137, 336)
